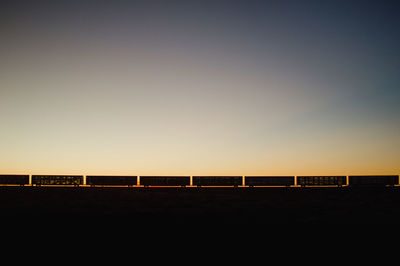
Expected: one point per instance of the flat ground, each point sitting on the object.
(204, 206)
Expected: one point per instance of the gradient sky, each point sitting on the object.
(200, 87)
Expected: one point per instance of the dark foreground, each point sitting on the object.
(199, 207)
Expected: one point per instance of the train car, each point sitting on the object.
(57, 180)
(175, 181)
(373, 180)
(217, 181)
(14, 180)
(253, 181)
(305, 181)
(97, 180)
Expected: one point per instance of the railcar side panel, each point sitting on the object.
(111, 180)
(269, 181)
(14, 180)
(57, 180)
(165, 181)
(321, 180)
(217, 181)
(373, 180)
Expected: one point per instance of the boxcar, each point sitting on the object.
(97, 180)
(217, 181)
(57, 180)
(321, 181)
(373, 180)
(14, 180)
(253, 181)
(181, 181)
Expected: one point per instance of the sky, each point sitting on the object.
(200, 87)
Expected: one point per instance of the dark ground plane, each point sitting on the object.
(201, 206)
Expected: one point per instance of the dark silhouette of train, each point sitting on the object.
(202, 181)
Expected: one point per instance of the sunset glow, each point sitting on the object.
(199, 88)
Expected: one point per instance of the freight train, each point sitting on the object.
(201, 181)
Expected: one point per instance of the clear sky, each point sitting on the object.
(200, 87)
